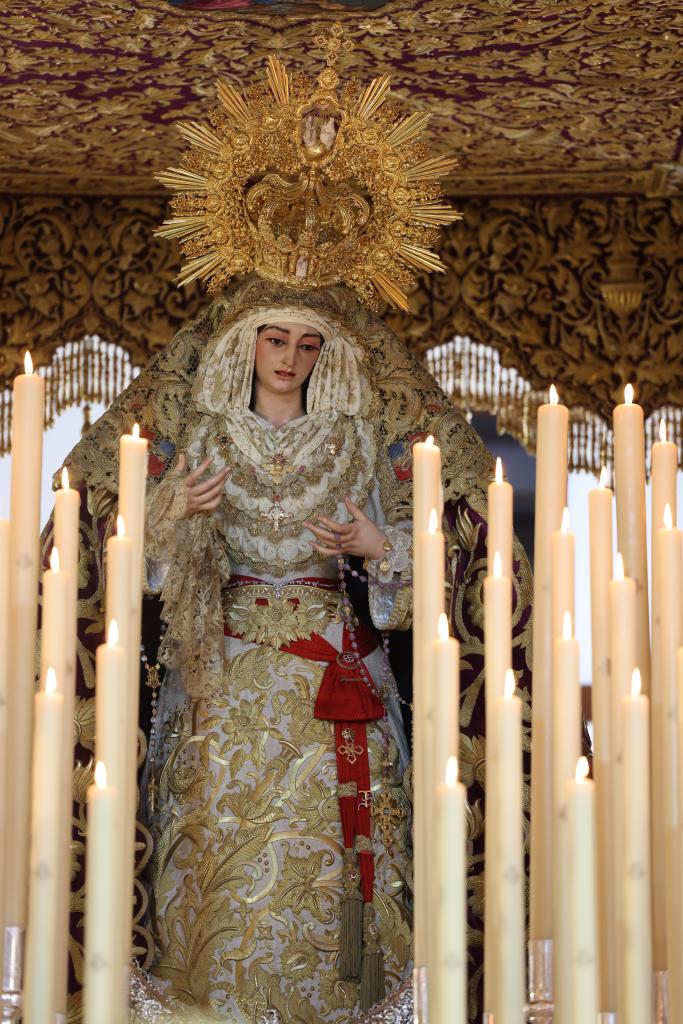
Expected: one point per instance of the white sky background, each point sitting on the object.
(59, 440)
(57, 443)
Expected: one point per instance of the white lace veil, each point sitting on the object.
(225, 373)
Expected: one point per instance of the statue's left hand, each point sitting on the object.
(360, 537)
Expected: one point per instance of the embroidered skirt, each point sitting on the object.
(245, 882)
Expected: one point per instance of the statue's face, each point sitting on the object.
(285, 355)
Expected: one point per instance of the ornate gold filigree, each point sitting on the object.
(522, 306)
(536, 96)
(310, 185)
(294, 612)
(524, 284)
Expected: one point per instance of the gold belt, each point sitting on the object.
(265, 613)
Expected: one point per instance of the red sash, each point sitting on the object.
(346, 699)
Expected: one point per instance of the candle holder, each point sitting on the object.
(12, 972)
(487, 1017)
(420, 1010)
(661, 993)
(607, 1017)
(539, 1009)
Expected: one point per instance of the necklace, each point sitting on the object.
(153, 680)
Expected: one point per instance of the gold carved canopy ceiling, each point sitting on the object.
(535, 96)
(566, 120)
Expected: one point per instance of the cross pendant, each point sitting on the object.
(276, 515)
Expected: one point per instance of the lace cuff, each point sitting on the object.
(390, 582)
(396, 557)
(164, 507)
(192, 608)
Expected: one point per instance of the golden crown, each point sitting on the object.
(309, 184)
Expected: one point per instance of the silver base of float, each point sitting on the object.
(420, 1008)
(12, 972)
(661, 996)
(539, 1009)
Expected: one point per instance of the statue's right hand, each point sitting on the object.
(201, 495)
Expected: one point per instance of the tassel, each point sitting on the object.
(351, 930)
(372, 989)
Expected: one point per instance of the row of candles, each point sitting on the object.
(606, 870)
(440, 818)
(37, 757)
(604, 946)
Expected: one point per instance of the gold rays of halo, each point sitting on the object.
(231, 204)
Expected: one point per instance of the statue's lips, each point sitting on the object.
(285, 374)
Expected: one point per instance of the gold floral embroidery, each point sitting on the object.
(84, 723)
(294, 612)
(246, 878)
(472, 763)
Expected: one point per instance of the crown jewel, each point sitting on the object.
(310, 184)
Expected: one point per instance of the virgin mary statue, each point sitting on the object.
(274, 874)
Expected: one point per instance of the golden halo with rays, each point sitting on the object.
(311, 184)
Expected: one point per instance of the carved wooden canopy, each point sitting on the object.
(567, 267)
(535, 96)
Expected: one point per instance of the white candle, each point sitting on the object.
(133, 474)
(445, 734)
(551, 497)
(103, 981)
(499, 525)
(53, 624)
(4, 690)
(448, 989)
(27, 450)
(636, 935)
(54, 635)
(118, 572)
(66, 539)
(497, 629)
(664, 469)
(600, 500)
(629, 477)
(664, 455)
(426, 484)
(583, 950)
(566, 738)
(505, 862)
(446, 661)
(428, 604)
(562, 554)
(111, 718)
(666, 821)
(42, 938)
(622, 647)
(113, 700)
(497, 658)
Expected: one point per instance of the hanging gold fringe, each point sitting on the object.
(474, 377)
(86, 372)
(93, 372)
